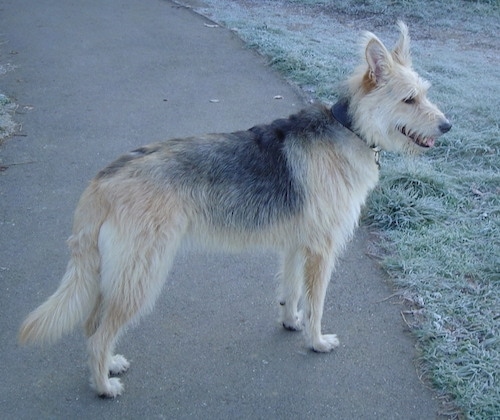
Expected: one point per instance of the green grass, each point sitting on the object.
(438, 216)
(7, 125)
(7, 107)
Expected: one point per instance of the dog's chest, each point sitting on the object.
(344, 164)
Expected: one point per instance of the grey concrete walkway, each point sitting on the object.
(94, 79)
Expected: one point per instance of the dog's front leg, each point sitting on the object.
(318, 267)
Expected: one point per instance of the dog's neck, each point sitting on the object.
(340, 111)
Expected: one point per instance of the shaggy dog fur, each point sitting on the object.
(297, 185)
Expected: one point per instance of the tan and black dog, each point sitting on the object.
(297, 185)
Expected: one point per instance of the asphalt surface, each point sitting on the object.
(94, 79)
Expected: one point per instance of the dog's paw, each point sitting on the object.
(293, 322)
(325, 343)
(118, 364)
(110, 389)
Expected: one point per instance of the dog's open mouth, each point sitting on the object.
(418, 139)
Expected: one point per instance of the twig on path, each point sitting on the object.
(390, 297)
(8, 165)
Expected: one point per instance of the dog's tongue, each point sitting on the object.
(428, 142)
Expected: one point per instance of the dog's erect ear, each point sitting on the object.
(401, 53)
(379, 60)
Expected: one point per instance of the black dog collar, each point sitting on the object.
(340, 113)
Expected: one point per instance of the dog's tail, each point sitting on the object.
(79, 288)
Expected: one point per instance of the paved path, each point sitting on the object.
(94, 79)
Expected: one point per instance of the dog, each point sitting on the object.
(296, 185)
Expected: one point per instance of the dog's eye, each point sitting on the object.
(410, 101)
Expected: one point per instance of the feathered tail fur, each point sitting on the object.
(79, 288)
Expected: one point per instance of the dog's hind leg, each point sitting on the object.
(118, 363)
(318, 268)
(93, 319)
(291, 280)
(133, 271)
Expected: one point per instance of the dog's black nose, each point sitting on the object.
(445, 127)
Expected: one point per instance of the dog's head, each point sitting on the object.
(388, 99)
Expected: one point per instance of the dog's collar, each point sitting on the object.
(340, 111)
